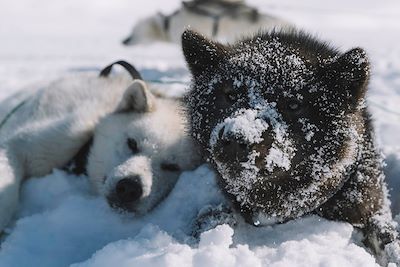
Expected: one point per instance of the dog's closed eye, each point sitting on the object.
(133, 146)
(172, 167)
(294, 105)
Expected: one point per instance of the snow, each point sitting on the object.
(61, 222)
(245, 124)
(308, 128)
(65, 224)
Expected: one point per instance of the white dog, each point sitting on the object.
(138, 147)
(223, 20)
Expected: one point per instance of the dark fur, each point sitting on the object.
(289, 69)
(77, 165)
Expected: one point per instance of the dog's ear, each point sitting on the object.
(137, 98)
(351, 71)
(200, 53)
(163, 21)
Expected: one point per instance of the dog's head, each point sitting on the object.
(140, 150)
(277, 114)
(148, 30)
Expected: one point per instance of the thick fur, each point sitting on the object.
(232, 22)
(282, 117)
(54, 123)
(163, 152)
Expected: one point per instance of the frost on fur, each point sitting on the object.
(282, 117)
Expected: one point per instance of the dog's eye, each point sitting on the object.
(132, 144)
(172, 167)
(230, 93)
(294, 105)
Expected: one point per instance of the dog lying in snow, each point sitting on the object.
(132, 144)
(282, 117)
(221, 19)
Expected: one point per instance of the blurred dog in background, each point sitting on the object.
(223, 20)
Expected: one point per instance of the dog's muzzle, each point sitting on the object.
(126, 194)
(235, 148)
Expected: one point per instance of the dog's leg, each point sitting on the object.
(10, 183)
(382, 237)
(53, 144)
(363, 202)
(36, 152)
(210, 217)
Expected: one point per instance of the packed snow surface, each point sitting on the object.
(64, 224)
(61, 223)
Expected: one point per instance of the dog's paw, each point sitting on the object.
(210, 217)
(392, 253)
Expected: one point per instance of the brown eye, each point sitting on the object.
(230, 93)
(170, 167)
(133, 146)
(294, 105)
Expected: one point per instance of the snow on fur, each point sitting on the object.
(255, 75)
(249, 125)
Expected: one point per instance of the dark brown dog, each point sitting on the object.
(282, 117)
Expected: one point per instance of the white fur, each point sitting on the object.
(160, 137)
(55, 122)
(230, 29)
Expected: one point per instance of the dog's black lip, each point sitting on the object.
(117, 205)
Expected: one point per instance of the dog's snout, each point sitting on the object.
(233, 148)
(128, 190)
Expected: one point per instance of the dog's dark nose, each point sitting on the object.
(235, 149)
(231, 148)
(128, 190)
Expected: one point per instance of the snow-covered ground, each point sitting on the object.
(61, 223)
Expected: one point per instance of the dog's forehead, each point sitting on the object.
(163, 140)
(159, 128)
(271, 66)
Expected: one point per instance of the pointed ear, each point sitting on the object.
(163, 21)
(201, 53)
(136, 98)
(352, 70)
